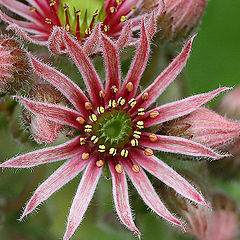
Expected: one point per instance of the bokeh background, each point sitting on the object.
(214, 62)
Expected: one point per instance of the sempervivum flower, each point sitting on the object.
(113, 130)
(78, 17)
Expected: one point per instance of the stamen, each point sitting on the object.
(101, 148)
(137, 134)
(134, 142)
(88, 106)
(154, 114)
(123, 18)
(132, 102)
(129, 87)
(153, 137)
(80, 120)
(88, 128)
(102, 94)
(112, 103)
(48, 21)
(119, 168)
(133, 8)
(121, 101)
(52, 3)
(32, 9)
(114, 88)
(78, 13)
(88, 31)
(119, 2)
(100, 110)
(67, 26)
(135, 168)
(148, 152)
(145, 96)
(113, 151)
(85, 156)
(99, 163)
(82, 141)
(93, 117)
(94, 139)
(113, 10)
(124, 153)
(140, 124)
(106, 28)
(141, 111)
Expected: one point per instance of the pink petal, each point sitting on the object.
(90, 76)
(92, 44)
(121, 200)
(59, 178)
(148, 194)
(138, 64)
(179, 145)
(56, 113)
(167, 76)
(83, 197)
(125, 36)
(66, 86)
(180, 108)
(167, 175)
(112, 65)
(46, 155)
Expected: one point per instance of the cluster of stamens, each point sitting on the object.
(112, 129)
(81, 24)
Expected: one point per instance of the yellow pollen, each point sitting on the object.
(113, 9)
(135, 168)
(119, 168)
(124, 153)
(112, 103)
(121, 101)
(148, 152)
(99, 163)
(78, 12)
(88, 106)
(80, 120)
(140, 124)
(82, 141)
(113, 151)
(129, 86)
(106, 28)
(137, 134)
(132, 102)
(48, 21)
(102, 94)
(88, 128)
(88, 31)
(133, 8)
(101, 148)
(134, 142)
(52, 3)
(153, 137)
(119, 2)
(67, 27)
(145, 96)
(154, 114)
(100, 110)
(94, 139)
(123, 18)
(141, 111)
(32, 9)
(93, 117)
(85, 156)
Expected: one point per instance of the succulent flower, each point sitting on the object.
(204, 126)
(14, 65)
(78, 17)
(113, 130)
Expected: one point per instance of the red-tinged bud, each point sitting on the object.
(44, 131)
(204, 126)
(14, 65)
(179, 18)
(230, 104)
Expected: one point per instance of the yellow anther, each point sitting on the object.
(112, 103)
(124, 153)
(119, 168)
(141, 111)
(66, 7)
(121, 101)
(32, 9)
(78, 12)
(135, 168)
(145, 96)
(88, 106)
(154, 114)
(137, 134)
(80, 120)
(115, 89)
(93, 117)
(106, 28)
(119, 2)
(113, 151)
(99, 163)
(140, 124)
(88, 128)
(134, 142)
(153, 137)
(148, 152)
(82, 141)
(88, 31)
(123, 18)
(102, 94)
(133, 8)
(132, 102)
(101, 148)
(100, 110)
(129, 86)
(52, 3)
(113, 9)
(48, 21)
(67, 27)
(94, 139)
(85, 156)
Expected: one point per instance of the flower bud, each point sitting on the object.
(43, 130)
(204, 126)
(179, 18)
(14, 65)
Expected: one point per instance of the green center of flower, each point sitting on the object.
(113, 128)
(78, 15)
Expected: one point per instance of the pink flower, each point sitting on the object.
(78, 17)
(112, 129)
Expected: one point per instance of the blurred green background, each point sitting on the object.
(214, 62)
